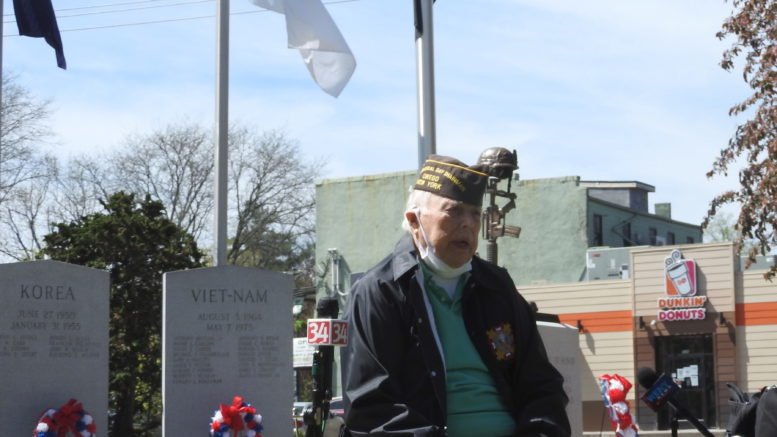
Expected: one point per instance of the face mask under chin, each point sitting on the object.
(434, 262)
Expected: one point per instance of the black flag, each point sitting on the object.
(36, 18)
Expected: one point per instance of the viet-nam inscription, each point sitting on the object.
(194, 359)
(259, 356)
(227, 295)
(224, 322)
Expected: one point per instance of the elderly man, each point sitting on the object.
(440, 341)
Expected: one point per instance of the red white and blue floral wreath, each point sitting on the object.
(69, 420)
(230, 420)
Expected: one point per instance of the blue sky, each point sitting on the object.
(604, 90)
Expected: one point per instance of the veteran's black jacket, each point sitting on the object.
(394, 377)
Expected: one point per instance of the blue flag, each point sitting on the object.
(36, 18)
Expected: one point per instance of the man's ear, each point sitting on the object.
(412, 218)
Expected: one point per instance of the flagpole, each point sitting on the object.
(424, 43)
(222, 129)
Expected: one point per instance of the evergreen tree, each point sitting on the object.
(136, 243)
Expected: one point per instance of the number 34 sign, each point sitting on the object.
(327, 332)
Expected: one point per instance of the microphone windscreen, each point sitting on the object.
(646, 377)
(327, 308)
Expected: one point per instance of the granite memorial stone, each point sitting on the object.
(53, 342)
(227, 331)
(563, 347)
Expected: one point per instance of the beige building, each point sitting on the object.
(697, 316)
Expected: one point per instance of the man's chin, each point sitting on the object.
(459, 261)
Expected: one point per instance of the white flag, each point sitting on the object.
(310, 29)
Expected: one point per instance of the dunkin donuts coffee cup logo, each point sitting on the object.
(680, 275)
(681, 302)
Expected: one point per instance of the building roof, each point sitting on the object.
(622, 185)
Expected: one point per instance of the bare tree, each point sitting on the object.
(26, 171)
(272, 193)
(174, 166)
(22, 130)
(25, 214)
(272, 185)
(80, 187)
(272, 196)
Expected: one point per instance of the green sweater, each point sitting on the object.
(474, 405)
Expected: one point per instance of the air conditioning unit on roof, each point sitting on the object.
(602, 263)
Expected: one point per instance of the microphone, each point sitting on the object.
(660, 391)
(325, 331)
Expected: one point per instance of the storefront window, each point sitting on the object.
(689, 359)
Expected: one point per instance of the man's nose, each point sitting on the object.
(471, 220)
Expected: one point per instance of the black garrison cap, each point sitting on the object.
(451, 178)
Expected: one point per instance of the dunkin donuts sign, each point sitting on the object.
(681, 302)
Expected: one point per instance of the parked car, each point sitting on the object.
(335, 425)
(298, 425)
(337, 407)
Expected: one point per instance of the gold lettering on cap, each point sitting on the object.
(455, 181)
